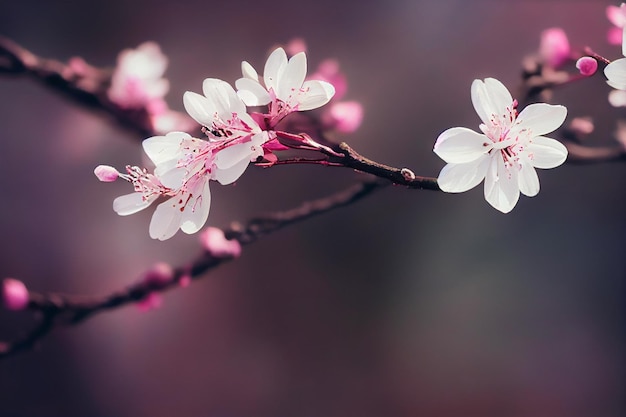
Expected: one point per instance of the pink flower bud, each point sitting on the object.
(345, 116)
(214, 242)
(296, 45)
(106, 173)
(14, 294)
(150, 302)
(587, 65)
(554, 47)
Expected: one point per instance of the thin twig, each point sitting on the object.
(56, 310)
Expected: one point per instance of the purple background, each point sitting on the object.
(408, 303)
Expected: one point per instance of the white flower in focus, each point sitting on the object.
(284, 87)
(506, 154)
(137, 79)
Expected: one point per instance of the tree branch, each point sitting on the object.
(55, 310)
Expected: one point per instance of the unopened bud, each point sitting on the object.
(587, 65)
(106, 173)
(14, 294)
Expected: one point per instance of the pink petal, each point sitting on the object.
(314, 94)
(130, 204)
(196, 211)
(458, 178)
(541, 118)
(292, 78)
(546, 153)
(274, 67)
(501, 186)
(166, 219)
(490, 97)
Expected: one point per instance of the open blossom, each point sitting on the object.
(137, 79)
(284, 87)
(506, 154)
(184, 165)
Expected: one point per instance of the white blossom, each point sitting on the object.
(507, 152)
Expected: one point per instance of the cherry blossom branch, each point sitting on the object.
(56, 310)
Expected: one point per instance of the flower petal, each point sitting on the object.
(459, 145)
(314, 94)
(231, 174)
(199, 108)
(223, 97)
(163, 148)
(528, 179)
(501, 185)
(251, 92)
(196, 210)
(292, 78)
(166, 219)
(274, 67)
(541, 118)
(249, 72)
(172, 178)
(458, 178)
(615, 73)
(546, 153)
(490, 97)
(131, 203)
(233, 154)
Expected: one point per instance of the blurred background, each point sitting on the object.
(407, 303)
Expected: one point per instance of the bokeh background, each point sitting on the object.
(408, 303)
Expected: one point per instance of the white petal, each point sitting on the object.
(528, 180)
(163, 148)
(458, 178)
(314, 94)
(197, 208)
(292, 78)
(274, 68)
(616, 74)
(130, 203)
(224, 98)
(172, 178)
(490, 98)
(251, 92)
(546, 152)
(249, 72)
(199, 108)
(231, 174)
(541, 118)
(459, 145)
(166, 219)
(501, 186)
(232, 155)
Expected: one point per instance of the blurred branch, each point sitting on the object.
(55, 310)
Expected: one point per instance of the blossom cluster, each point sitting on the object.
(185, 165)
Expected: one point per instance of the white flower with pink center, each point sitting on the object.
(284, 87)
(137, 80)
(506, 154)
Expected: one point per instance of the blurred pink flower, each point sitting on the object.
(617, 17)
(554, 47)
(344, 116)
(137, 79)
(329, 71)
(214, 242)
(14, 294)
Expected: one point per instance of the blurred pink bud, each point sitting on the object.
(554, 47)
(616, 15)
(160, 274)
(345, 116)
(328, 70)
(184, 281)
(214, 242)
(587, 65)
(295, 46)
(150, 302)
(106, 173)
(14, 294)
(582, 125)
